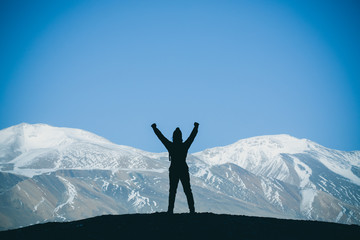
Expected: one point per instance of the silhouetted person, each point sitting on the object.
(178, 170)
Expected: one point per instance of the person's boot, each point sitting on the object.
(170, 210)
(171, 204)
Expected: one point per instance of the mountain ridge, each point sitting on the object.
(185, 226)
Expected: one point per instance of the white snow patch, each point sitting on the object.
(71, 193)
(308, 196)
(303, 171)
(272, 195)
(349, 216)
(138, 200)
(340, 168)
(201, 172)
(30, 172)
(323, 181)
(105, 185)
(339, 162)
(37, 205)
(242, 184)
(341, 213)
(210, 176)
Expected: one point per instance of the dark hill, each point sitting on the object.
(184, 226)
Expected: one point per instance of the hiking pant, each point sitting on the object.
(184, 177)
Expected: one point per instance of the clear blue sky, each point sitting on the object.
(239, 68)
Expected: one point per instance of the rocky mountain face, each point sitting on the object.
(62, 174)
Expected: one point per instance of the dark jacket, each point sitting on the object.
(177, 151)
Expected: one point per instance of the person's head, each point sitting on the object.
(177, 136)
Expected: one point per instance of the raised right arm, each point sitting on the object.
(162, 138)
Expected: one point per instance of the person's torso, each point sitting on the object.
(177, 154)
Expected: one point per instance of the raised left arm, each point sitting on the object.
(192, 136)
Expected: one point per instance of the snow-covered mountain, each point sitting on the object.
(57, 174)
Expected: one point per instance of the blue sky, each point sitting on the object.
(239, 68)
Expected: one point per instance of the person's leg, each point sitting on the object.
(185, 181)
(174, 180)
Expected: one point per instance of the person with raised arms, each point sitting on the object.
(178, 170)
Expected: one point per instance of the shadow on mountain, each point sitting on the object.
(184, 226)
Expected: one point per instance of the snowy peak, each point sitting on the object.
(282, 143)
(26, 137)
(30, 150)
(254, 148)
(277, 156)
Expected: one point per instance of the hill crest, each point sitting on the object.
(184, 226)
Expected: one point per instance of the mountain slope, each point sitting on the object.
(317, 171)
(62, 174)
